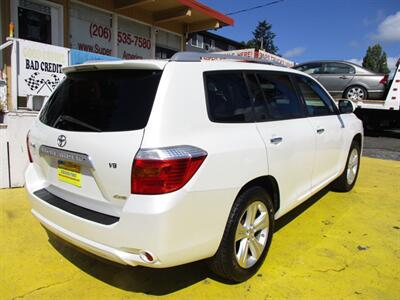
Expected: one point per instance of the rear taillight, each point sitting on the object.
(384, 80)
(164, 170)
(28, 148)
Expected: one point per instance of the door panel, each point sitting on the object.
(328, 131)
(336, 76)
(335, 82)
(287, 134)
(290, 146)
(327, 127)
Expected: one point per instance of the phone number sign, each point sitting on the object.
(92, 31)
(134, 40)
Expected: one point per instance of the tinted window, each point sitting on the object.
(117, 100)
(259, 103)
(317, 101)
(228, 98)
(338, 68)
(313, 68)
(280, 97)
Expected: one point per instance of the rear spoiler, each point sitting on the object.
(120, 64)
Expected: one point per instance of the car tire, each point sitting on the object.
(355, 93)
(245, 242)
(347, 180)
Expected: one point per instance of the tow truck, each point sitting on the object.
(381, 114)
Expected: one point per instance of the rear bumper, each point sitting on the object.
(175, 228)
(98, 249)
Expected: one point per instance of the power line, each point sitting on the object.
(253, 8)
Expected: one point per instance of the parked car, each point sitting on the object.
(162, 163)
(346, 80)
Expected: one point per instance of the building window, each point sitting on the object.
(164, 53)
(39, 21)
(167, 44)
(212, 45)
(34, 22)
(208, 43)
(197, 41)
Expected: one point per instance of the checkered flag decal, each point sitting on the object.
(32, 82)
(35, 84)
(55, 82)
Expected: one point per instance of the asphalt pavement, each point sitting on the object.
(382, 144)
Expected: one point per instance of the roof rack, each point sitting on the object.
(200, 56)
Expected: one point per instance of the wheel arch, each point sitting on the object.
(358, 138)
(270, 184)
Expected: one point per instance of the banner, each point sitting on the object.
(275, 58)
(39, 70)
(260, 54)
(242, 52)
(79, 57)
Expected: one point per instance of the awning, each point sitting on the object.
(183, 16)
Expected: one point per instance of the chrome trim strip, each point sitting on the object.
(79, 158)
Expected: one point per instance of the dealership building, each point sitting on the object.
(122, 28)
(40, 37)
(127, 29)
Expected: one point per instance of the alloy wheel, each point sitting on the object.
(352, 166)
(356, 94)
(251, 234)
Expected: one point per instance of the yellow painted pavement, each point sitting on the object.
(335, 246)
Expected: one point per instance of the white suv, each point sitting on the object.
(161, 163)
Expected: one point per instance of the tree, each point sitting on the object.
(263, 38)
(375, 60)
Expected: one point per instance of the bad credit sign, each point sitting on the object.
(40, 66)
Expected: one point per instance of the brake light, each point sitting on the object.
(27, 147)
(384, 80)
(164, 170)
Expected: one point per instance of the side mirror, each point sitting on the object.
(346, 106)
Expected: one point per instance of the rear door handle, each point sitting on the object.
(320, 130)
(276, 140)
(343, 77)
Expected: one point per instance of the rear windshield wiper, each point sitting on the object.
(75, 121)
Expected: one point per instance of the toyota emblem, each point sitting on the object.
(61, 141)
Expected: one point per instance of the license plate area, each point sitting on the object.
(69, 172)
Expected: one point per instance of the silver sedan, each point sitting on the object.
(346, 80)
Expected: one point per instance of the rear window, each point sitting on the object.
(102, 101)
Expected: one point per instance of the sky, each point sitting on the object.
(319, 29)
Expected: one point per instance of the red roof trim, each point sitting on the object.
(208, 11)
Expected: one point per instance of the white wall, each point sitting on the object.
(3, 157)
(18, 125)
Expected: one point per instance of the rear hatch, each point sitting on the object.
(89, 132)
